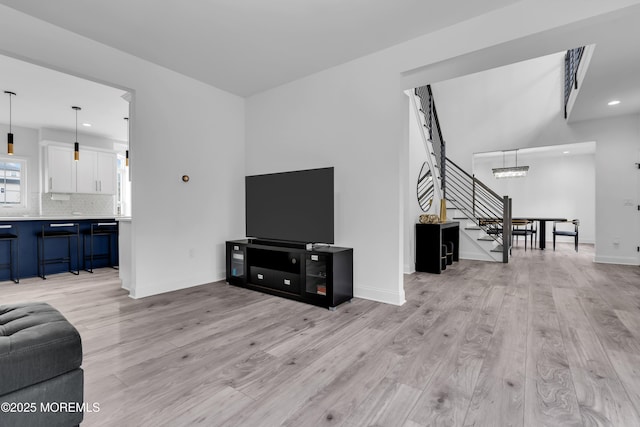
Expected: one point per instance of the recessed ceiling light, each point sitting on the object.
(86, 125)
(614, 102)
(565, 152)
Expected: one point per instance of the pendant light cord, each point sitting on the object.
(9, 113)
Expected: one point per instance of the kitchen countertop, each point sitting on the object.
(62, 218)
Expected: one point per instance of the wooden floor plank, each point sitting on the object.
(498, 398)
(601, 396)
(550, 397)
(446, 398)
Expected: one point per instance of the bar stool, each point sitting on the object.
(6, 235)
(108, 229)
(58, 231)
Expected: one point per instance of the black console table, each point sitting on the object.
(321, 276)
(429, 241)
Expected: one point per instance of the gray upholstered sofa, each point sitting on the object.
(41, 382)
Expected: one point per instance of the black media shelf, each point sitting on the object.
(320, 276)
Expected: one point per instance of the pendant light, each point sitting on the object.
(511, 171)
(126, 154)
(76, 146)
(10, 135)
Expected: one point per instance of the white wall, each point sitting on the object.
(56, 135)
(617, 187)
(355, 123)
(179, 126)
(557, 186)
(500, 109)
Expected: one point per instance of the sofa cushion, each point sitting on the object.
(36, 343)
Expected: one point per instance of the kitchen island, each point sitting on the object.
(28, 228)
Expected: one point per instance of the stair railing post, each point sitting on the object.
(506, 228)
(473, 196)
(443, 168)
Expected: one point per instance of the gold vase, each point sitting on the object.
(443, 210)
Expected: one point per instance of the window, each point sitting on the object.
(123, 191)
(12, 182)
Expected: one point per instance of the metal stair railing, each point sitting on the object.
(480, 204)
(474, 199)
(434, 133)
(571, 64)
(429, 180)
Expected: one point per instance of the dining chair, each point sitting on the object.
(522, 227)
(565, 232)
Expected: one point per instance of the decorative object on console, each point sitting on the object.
(443, 210)
(10, 134)
(429, 219)
(76, 145)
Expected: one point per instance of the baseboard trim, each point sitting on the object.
(170, 287)
(379, 295)
(476, 256)
(616, 260)
(409, 269)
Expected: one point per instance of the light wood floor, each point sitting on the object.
(551, 339)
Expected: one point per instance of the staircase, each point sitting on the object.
(484, 216)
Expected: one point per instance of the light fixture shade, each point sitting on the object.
(510, 172)
(126, 154)
(76, 145)
(10, 134)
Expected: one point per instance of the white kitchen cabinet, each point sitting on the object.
(96, 172)
(86, 172)
(61, 170)
(107, 171)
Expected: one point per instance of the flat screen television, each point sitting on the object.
(292, 206)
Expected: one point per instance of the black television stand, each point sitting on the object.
(321, 276)
(278, 243)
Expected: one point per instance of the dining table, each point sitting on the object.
(542, 227)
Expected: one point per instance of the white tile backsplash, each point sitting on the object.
(79, 204)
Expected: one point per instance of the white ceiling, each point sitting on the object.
(613, 73)
(248, 46)
(44, 98)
